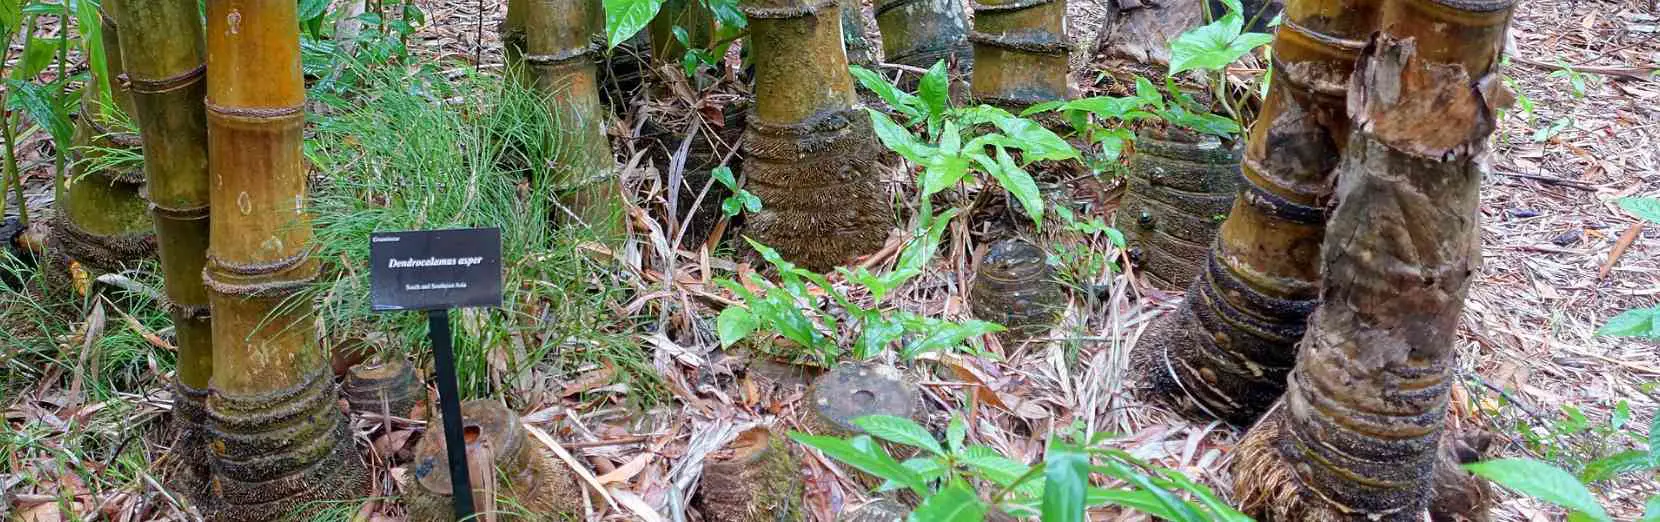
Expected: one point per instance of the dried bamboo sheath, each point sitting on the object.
(921, 32)
(106, 219)
(280, 440)
(810, 154)
(1364, 414)
(162, 53)
(1227, 350)
(1020, 52)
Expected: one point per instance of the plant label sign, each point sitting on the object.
(435, 269)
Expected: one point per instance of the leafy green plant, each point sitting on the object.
(30, 106)
(741, 200)
(793, 309)
(959, 142)
(1577, 81)
(963, 482)
(1552, 484)
(1641, 322)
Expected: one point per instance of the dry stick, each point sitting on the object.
(1625, 241)
(1635, 73)
(1549, 179)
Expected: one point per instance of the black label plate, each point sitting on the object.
(435, 269)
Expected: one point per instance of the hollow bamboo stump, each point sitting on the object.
(1015, 287)
(1180, 191)
(528, 483)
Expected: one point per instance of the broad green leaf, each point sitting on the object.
(899, 140)
(1202, 121)
(92, 45)
(934, 89)
(957, 502)
(1000, 470)
(1651, 513)
(788, 319)
(899, 430)
(1115, 236)
(11, 14)
(1215, 45)
(876, 335)
(899, 100)
(734, 324)
(1043, 107)
(723, 174)
(1145, 90)
(930, 468)
(1542, 481)
(1619, 463)
(1065, 479)
(623, 18)
(1633, 323)
(941, 171)
(1233, 7)
(949, 336)
(1109, 106)
(1143, 501)
(37, 54)
(1035, 142)
(1643, 207)
(955, 432)
(951, 139)
(1020, 185)
(310, 9)
(727, 13)
(1219, 509)
(874, 461)
(36, 101)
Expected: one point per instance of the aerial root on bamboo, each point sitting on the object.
(1016, 288)
(818, 181)
(755, 478)
(512, 475)
(1364, 414)
(278, 451)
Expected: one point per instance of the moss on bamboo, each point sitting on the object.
(756, 478)
(810, 154)
(280, 441)
(559, 58)
(163, 52)
(1360, 432)
(1020, 52)
(528, 481)
(1180, 187)
(1015, 287)
(920, 33)
(1225, 353)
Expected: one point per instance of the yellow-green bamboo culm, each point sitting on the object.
(280, 441)
(1226, 351)
(106, 221)
(559, 60)
(163, 54)
(1020, 52)
(1361, 430)
(809, 152)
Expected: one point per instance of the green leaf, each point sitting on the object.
(934, 89)
(1138, 500)
(955, 432)
(1233, 7)
(876, 335)
(999, 469)
(1619, 463)
(957, 502)
(1065, 479)
(899, 140)
(899, 100)
(930, 468)
(1020, 185)
(723, 174)
(1202, 121)
(36, 101)
(1116, 237)
(1213, 46)
(1109, 106)
(1651, 513)
(1643, 207)
(11, 14)
(1542, 481)
(37, 54)
(623, 18)
(734, 324)
(899, 430)
(312, 9)
(865, 456)
(1633, 323)
(947, 336)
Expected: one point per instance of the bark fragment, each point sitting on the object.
(1180, 188)
(809, 153)
(1361, 425)
(508, 470)
(1015, 287)
(1226, 351)
(756, 478)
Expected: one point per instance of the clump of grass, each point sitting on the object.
(402, 156)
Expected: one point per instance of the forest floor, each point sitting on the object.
(642, 402)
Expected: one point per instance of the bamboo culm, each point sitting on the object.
(280, 441)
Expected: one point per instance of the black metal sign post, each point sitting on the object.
(437, 270)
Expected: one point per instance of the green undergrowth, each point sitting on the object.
(417, 151)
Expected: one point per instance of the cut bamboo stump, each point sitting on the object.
(753, 479)
(1180, 190)
(383, 387)
(854, 390)
(1015, 287)
(522, 479)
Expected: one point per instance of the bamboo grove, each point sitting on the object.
(1320, 313)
